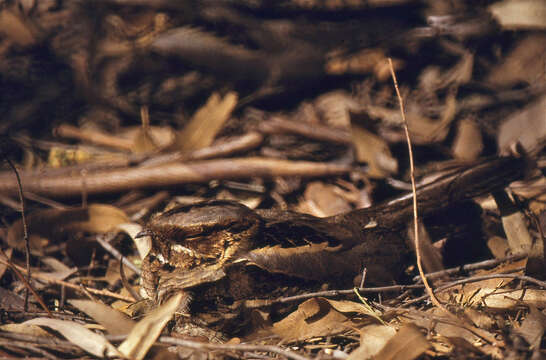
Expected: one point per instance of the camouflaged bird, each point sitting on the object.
(219, 252)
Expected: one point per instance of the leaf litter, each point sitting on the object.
(116, 104)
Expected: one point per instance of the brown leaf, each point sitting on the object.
(79, 335)
(468, 142)
(54, 224)
(146, 331)
(407, 344)
(533, 327)
(520, 14)
(372, 339)
(373, 150)
(26, 329)
(114, 321)
(16, 28)
(206, 122)
(525, 63)
(4, 265)
(527, 126)
(143, 243)
(315, 317)
(322, 200)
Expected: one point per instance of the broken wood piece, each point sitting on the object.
(123, 179)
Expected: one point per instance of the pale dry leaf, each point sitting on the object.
(146, 331)
(102, 218)
(498, 246)
(520, 14)
(481, 319)
(155, 138)
(79, 335)
(314, 317)
(323, 200)
(143, 243)
(362, 62)
(4, 265)
(527, 126)
(435, 320)
(16, 28)
(372, 339)
(53, 224)
(317, 317)
(407, 344)
(424, 130)
(114, 321)
(473, 293)
(320, 317)
(468, 143)
(334, 108)
(533, 327)
(525, 63)
(144, 142)
(26, 329)
(60, 270)
(55, 264)
(374, 151)
(206, 122)
(513, 298)
(345, 306)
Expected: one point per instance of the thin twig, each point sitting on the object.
(116, 254)
(52, 280)
(476, 279)
(225, 347)
(414, 191)
(473, 266)
(25, 227)
(334, 293)
(126, 283)
(13, 267)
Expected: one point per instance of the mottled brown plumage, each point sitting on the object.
(224, 250)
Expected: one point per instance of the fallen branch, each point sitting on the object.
(117, 180)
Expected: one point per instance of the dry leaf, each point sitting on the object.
(525, 63)
(206, 122)
(26, 329)
(322, 200)
(498, 246)
(315, 317)
(520, 14)
(143, 243)
(527, 126)
(432, 320)
(17, 29)
(318, 317)
(372, 339)
(407, 344)
(79, 335)
(468, 143)
(146, 331)
(334, 108)
(495, 299)
(114, 321)
(154, 138)
(473, 293)
(4, 265)
(533, 327)
(374, 151)
(424, 130)
(144, 142)
(9, 301)
(54, 224)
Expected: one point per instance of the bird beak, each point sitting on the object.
(143, 233)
